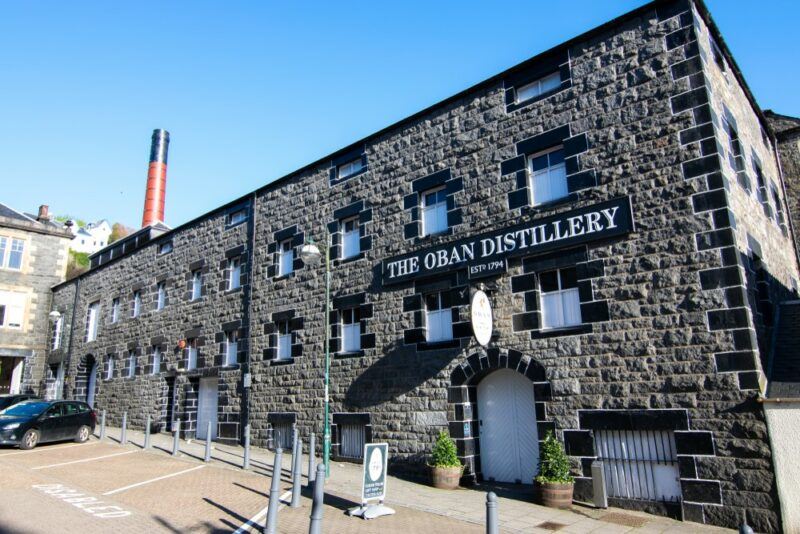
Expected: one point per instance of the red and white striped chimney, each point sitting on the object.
(156, 179)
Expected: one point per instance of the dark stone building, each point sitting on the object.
(618, 198)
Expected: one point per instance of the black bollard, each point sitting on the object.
(124, 437)
(315, 526)
(274, 494)
(147, 433)
(491, 514)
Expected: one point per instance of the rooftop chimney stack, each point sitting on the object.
(156, 179)
(44, 213)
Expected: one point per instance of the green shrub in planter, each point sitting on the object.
(553, 462)
(444, 452)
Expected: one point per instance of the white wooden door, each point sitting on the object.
(207, 407)
(509, 441)
(91, 385)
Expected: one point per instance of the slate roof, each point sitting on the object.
(11, 213)
(784, 371)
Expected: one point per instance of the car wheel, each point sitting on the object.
(83, 434)
(29, 440)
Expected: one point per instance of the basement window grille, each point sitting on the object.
(282, 435)
(352, 442)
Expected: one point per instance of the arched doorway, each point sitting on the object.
(509, 440)
(91, 382)
(86, 380)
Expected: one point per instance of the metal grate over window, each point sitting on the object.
(282, 435)
(352, 440)
(640, 465)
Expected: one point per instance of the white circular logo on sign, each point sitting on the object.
(375, 464)
(481, 317)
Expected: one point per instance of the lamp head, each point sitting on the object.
(310, 253)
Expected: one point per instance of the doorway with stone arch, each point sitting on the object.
(86, 379)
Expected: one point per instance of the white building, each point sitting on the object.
(92, 237)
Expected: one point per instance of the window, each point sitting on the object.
(561, 305)
(197, 284)
(55, 343)
(719, 59)
(137, 304)
(161, 299)
(131, 370)
(548, 176)
(434, 211)
(234, 273)
(352, 440)
(285, 258)
(737, 160)
(351, 330)
(13, 258)
(438, 317)
(191, 354)
(351, 238)
(284, 341)
(110, 367)
(163, 248)
(779, 215)
(231, 347)
(12, 309)
(115, 310)
(350, 168)
(91, 321)
(156, 361)
(238, 216)
(551, 82)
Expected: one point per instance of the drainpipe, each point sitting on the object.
(71, 333)
(244, 416)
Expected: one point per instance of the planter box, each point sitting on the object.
(446, 477)
(554, 495)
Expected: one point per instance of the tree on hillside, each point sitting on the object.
(118, 231)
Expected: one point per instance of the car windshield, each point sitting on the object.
(26, 409)
(5, 402)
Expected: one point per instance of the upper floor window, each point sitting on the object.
(351, 330)
(11, 251)
(156, 361)
(55, 342)
(131, 370)
(543, 85)
(12, 309)
(231, 347)
(161, 297)
(285, 258)
(137, 303)
(115, 310)
(91, 321)
(109, 367)
(438, 317)
(719, 59)
(351, 238)
(237, 217)
(197, 284)
(737, 159)
(234, 273)
(284, 341)
(350, 168)
(163, 248)
(191, 354)
(561, 305)
(434, 211)
(548, 176)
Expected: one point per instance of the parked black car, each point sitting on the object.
(9, 400)
(31, 422)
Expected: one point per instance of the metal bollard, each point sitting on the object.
(177, 437)
(315, 526)
(124, 437)
(491, 514)
(274, 494)
(246, 459)
(147, 433)
(312, 460)
(103, 425)
(744, 528)
(207, 457)
(297, 471)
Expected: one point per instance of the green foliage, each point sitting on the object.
(553, 462)
(444, 452)
(118, 231)
(78, 263)
(65, 218)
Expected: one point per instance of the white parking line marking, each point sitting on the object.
(83, 460)
(284, 499)
(112, 492)
(256, 519)
(40, 449)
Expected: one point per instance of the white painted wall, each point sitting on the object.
(783, 421)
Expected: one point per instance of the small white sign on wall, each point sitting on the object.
(481, 317)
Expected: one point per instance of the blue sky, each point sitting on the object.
(253, 90)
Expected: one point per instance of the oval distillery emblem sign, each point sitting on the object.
(481, 317)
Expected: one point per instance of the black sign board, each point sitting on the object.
(485, 255)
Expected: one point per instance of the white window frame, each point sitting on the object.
(156, 361)
(231, 347)
(285, 258)
(351, 239)
(137, 304)
(556, 175)
(434, 216)
(197, 285)
(439, 321)
(92, 322)
(538, 87)
(14, 309)
(191, 354)
(4, 244)
(110, 368)
(163, 248)
(55, 342)
(114, 310)
(234, 273)
(284, 345)
(130, 367)
(349, 168)
(237, 217)
(161, 295)
(351, 329)
(556, 304)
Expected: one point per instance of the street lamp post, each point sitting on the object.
(311, 254)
